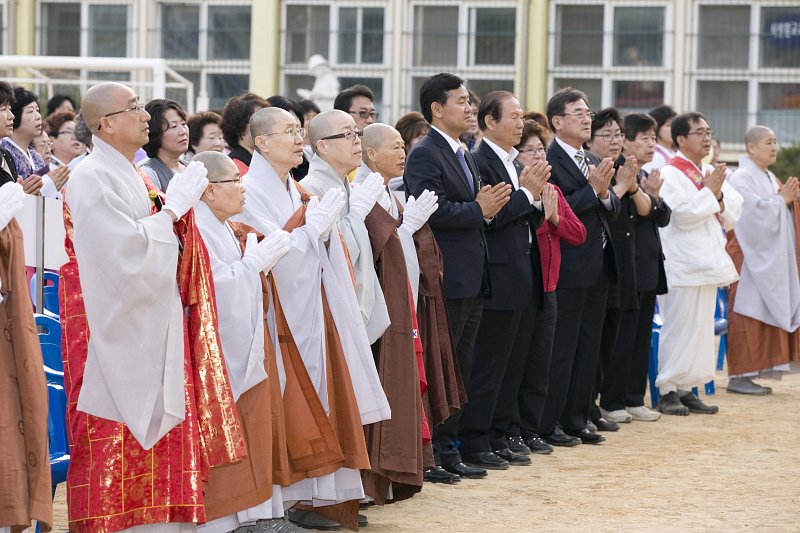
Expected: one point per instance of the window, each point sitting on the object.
(779, 109)
(435, 35)
(780, 37)
(229, 32)
(637, 95)
(579, 31)
(493, 35)
(108, 30)
(208, 43)
(724, 36)
(307, 32)
(724, 103)
(105, 26)
(638, 36)
(182, 41)
(361, 35)
(592, 88)
(483, 87)
(61, 29)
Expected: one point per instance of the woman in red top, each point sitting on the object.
(560, 223)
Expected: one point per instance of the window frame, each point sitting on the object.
(85, 29)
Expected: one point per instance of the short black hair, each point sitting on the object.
(492, 106)
(236, 116)
(435, 89)
(559, 101)
(22, 98)
(662, 114)
(197, 124)
(605, 117)
(57, 100)
(287, 104)
(157, 109)
(6, 94)
(636, 123)
(309, 106)
(682, 124)
(344, 99)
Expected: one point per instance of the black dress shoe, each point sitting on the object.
(605, 425)
(517, 445)
(696, 405)
(438, 474)
(586, 436)
(469, 472)
(513, 459)
(559, 438)
(486, 460)
(537, 445)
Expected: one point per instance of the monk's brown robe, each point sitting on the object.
(395, 445)
(25, 487)
(753, 345)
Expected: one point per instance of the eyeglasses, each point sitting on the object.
(137, 108)
(350, 135)
(41, 145)
(364, 115)
(237, 180)
(580, 115)
(702, 133)
(539, 150)
(65, 132)
(299, 132)
(610, 137)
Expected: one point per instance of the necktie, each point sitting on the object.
(463, 161)
(581, 159)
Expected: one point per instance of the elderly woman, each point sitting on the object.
(61, 128)
(560, 223)
(168, 141)
(205, 135)
(412, 127)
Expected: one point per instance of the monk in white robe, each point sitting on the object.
(150, 407)
(764, 306)
(337, 147)
(696, 265)
(316, 293)
(237, 283)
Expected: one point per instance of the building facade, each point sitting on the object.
(736, 60)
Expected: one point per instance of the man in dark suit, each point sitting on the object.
(586, 271)
(515, 274)
(440, 164)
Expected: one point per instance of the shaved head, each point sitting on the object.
(324, 124)
(263, 121)
(376, 134)
(102, 99)
(756, 133)
(220, 167)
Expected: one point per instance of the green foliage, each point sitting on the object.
(788, 163)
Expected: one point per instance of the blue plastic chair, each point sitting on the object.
(721, 325)
(57, 428)
(50, 341)
(50, 293)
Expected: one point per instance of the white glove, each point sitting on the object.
(263, 255)
(385, 199)
(11, 200)
(185, 189)
(419, 210)
(363, 198)
(321, 216)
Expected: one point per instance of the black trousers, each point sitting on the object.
(532, 395)
(616, 319)
(625, 373)
(500, 353)
(464, 316)
(576, 350)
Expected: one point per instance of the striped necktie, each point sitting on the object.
(580, 157)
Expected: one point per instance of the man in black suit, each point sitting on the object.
(440, 164)
(586, 271)
(515, 273)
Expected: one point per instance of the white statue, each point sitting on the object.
(326, 84)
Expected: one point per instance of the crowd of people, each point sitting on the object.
(273, 316)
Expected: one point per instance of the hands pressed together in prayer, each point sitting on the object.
(713, 180)
(550, 204)
(321, 215)
(492, 198)
(418, 211)
(790, 190)
(600, 177)
(626, 177)
(265, 254)
(652, 183)
(363, 197)
(534, 178)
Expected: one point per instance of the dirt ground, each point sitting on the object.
(738, 470)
